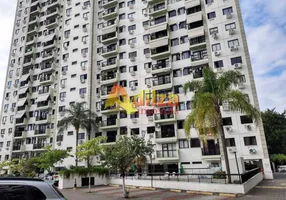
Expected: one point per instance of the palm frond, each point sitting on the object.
(192, 86)
(239, 102)
(229, 78)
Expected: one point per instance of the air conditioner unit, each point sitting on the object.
(131, 6)
(62, 99)
(131, 19)
(84, 29)
(247, 127)
(133, 87)
(63, 85)
(12, 109)
(133, 73)
(237, 66)
(131, 32)
(7, 98)
(232, 150)
(132, 45)
(82, 95)
(84, 42)
(158, 126)
(59, 143)
(219, 69)
(83, 55)
(4, 122)
(134, 120)
(148, 70)
(150, 118)
(146, 27)
(231, 31)
(228, 129)
(84, 7)
(147, 55)
(252, 151)
(6, 110)
(225, 106)
(62, 114)
(83, 67)
(217, 53)
(86, 18)
(233, 48)
(64, 72)
(149, 86)
(228, 16)
(146, 41)
(240, 85)
(132, 59)
(82, 80)
(214, 35)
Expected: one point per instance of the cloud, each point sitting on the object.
(266, 34)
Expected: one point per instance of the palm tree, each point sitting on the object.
(79, 117)
(209, 95)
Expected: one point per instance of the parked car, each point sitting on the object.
(28, 188)
(282, 168)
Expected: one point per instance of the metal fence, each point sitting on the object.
(220, 178)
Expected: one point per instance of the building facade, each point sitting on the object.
(71, 51)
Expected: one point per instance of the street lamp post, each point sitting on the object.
(236, 163)
(151, 170)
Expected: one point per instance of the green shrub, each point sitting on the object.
(83, 171)
(219, 175)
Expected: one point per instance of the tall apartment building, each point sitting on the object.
(70, 51)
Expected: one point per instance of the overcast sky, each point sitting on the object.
(265, 23)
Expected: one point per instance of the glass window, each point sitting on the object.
(13, 192)
(226, 11)
(213, 30)
(248, 141)
(183, 144)
(246, 119)
(226, 121)
(181, 11)
(180, 124)
(230, 142)
(236, 60)
(216, 47)
(36, 193)
(181, 106)
(175, 42)
(230, 26)
(233, 43)
(195, 143)
(211, 15)
(218, 64)
(172, 13)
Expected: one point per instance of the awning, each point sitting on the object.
(159, 43)
(19, 115)
(193, 3)
(158, 28)
(194, 17)
(25, 77)
(23, 90)
(42, 98)
(108, 30)
(21, 102)
(196, 32)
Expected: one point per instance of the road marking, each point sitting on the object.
(172, 190)
(271, 187)
(197, 192)
(226, 195)
(153, 193)
(180, 197)
(147, 188)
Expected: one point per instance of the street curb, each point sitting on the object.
(114, 185)
(201, 193)
(147, 188)
(271, 187)
(173, 190)
(131, 187)
(226, 195)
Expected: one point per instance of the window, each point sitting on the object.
(213, 30)
(14, 192)
(122, 69)
(150, 129)
(121, 4)
(178, 89)
(135, 131)
(177, 73)
(197, 162)
(186, 55)
(183, 144)
(122, 55)
(123, 114)
(246, 119)
(181, 11)
(172, 13)
(226, 121)
(122, 42)
(211, 15)
(184, 39)
(175, 42)
(189, 105)
(180, 124)
(218, 64)
(248, 141)
(216, 47)
(236, 60)
(230, 142)
(70, 132)
(122, 16)
(195, 143)
(121, 29)
(36, 193)
(233, 43)
(181, 106)
(230, 26)
(227, 11)
(150, 112)
(173, 27)
(81, 136)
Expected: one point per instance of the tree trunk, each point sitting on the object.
(76, 144)
(223, 150)
(125, 193)
(89, 182)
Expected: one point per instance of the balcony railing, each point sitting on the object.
(211, 151)
(167, 154)
(197, 40)
(109, 122)
(38, 146)
(106, 77)
(162, 81)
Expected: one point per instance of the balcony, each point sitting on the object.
(110, 109)
(163, 82)
(46, 80)
(53, 3)
(49, 45)
(34, 20)
(40, 146)
(105, 93)
(110, 13)
(21, 121)
(109, 26)
(20, 134)
(44, 105)
(52, 12)
(109, 3)
(164, 137)
(211, 152)
(49, 56)
(18, 148)
(29, 62)
(42, 132)
(109, 78)
(160, 52)
(109, 124)
(158, 9)
(33, 30)
(30, 51)
(52, 23)
(48, 67)
(109, 38)
(109, 65)
(110, 51)
(161, 68)
(165, 117)
(199, 57)
(35, 11)
(168, 155)
(43, 120)
(197, 42)
(31, 41)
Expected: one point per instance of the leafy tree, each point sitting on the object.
(274, 124)
(121, 155)
(209, 95)
(78, 117)
(88, 150)
(49, 158)
(279, 159)
(25, 167)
